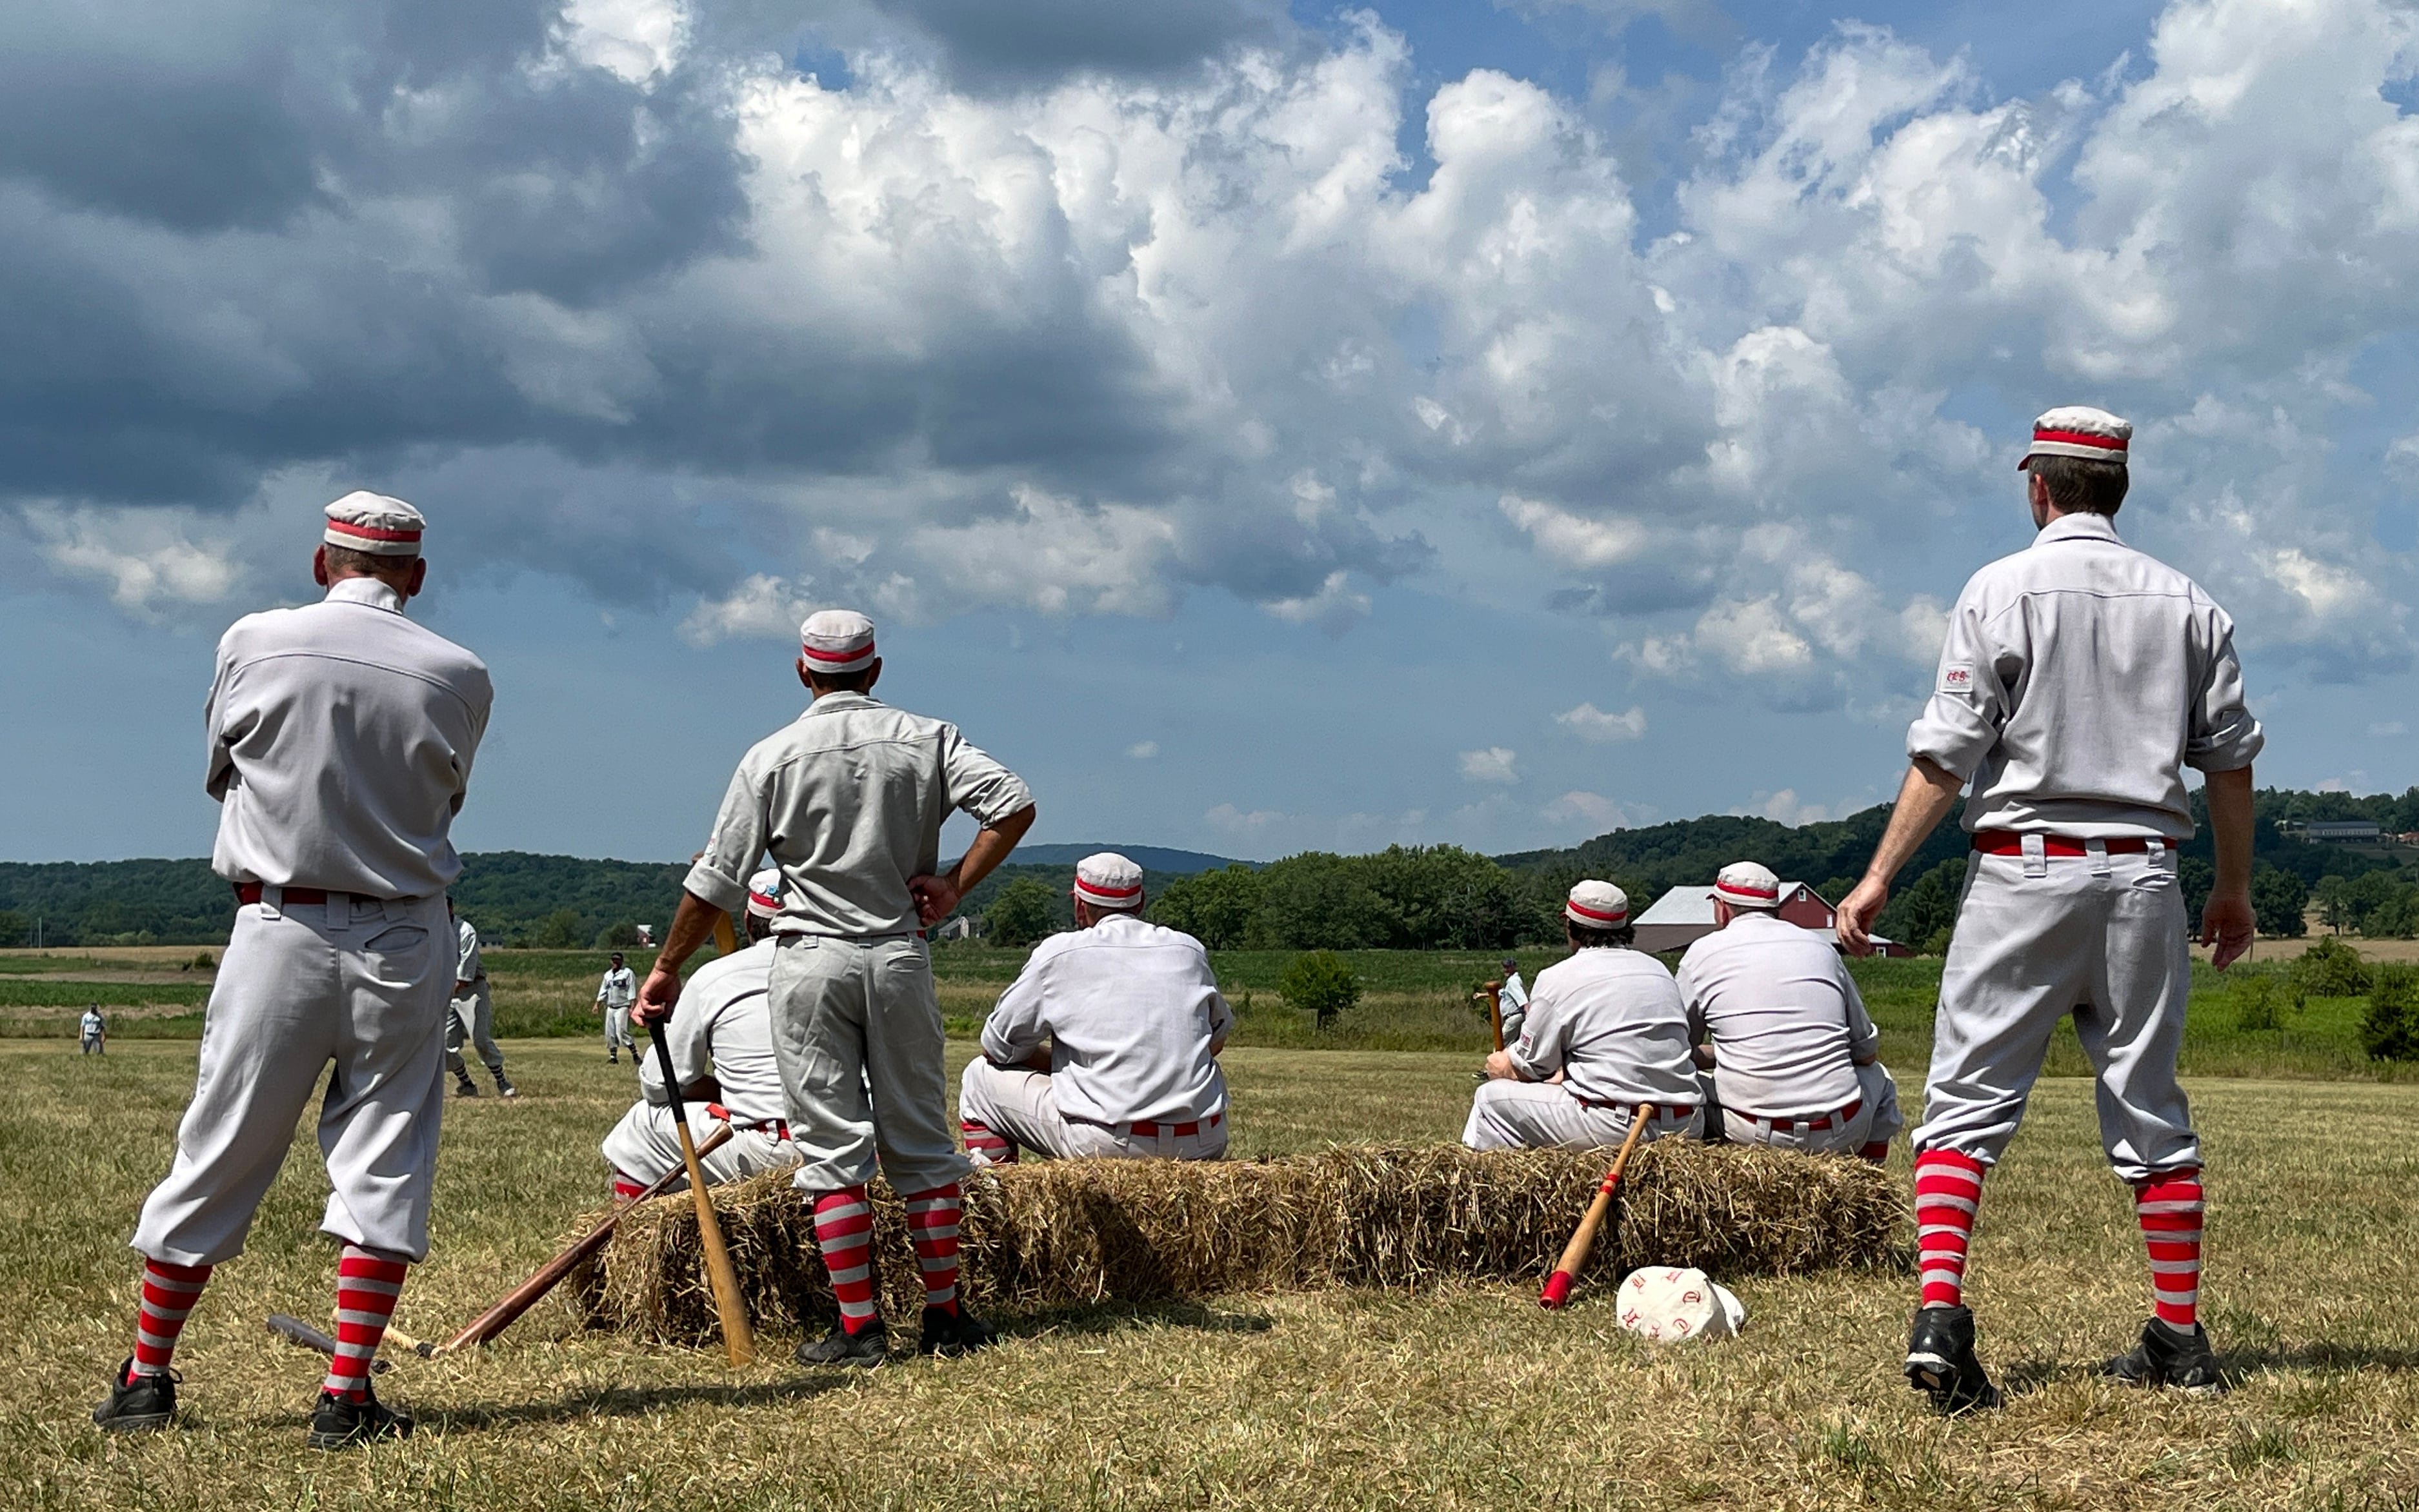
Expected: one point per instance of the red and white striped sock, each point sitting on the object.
(987, 1145)
(367, 1286)
(1947, 1193)
(2168, 1207)
(169, 1293)
(626, 1187)
(844, 1234)
(932, 1229)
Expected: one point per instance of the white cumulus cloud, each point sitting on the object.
(1589, 723)
(1492, 765)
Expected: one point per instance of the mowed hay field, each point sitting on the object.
(1467, 1398)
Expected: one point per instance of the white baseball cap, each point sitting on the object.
(1746, 885)
(2079, 431)
(1669, 1305)
(765, 892)
(373, 523)
(1594, 905)
(1108, 881)
(837, 640)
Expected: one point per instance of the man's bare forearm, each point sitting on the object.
(692, 926)
(2229, 828)
(990, 847)
(1924, 799)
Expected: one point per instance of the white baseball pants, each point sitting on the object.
(645, 1145)
(856, 1032)
(1019, 1104)
(1540, 1115)
(364, 983)
(617, 1030)
(2098, 936)
(473, 1019)
(1877, 1120)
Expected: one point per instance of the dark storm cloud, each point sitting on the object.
(983, 42)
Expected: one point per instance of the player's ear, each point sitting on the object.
(419, 577)
(319, 565)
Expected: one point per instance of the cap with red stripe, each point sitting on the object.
(1594, 905)
(2080, 431)
(373, 523)
(837, 640)
(1746, 884)
(765, 892)
(1108, 881)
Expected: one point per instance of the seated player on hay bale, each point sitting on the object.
(1605, 1032)
(722, 1048)
(1793, 1052)
(1108, 1042)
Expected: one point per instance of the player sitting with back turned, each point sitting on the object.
(1793, 1050)
(722, 1048)
(1107, 1043)
(1604, 1033)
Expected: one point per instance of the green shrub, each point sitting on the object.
(2330, 969)
(1021, 915)
(2263, 999)
(2389, 1030)
(1319, 983)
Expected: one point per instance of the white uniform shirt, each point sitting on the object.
(619, 988)
(849, 799)
(91, 1023)
(1130, 1010)
(1784, 1016)
(1610, 1021)
(467, 965)
(2079, 676)
(341, 736)
(724, 1030)
(1512, 1002)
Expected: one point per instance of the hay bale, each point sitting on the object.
(1057, 1233)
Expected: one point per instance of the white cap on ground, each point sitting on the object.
(1670, 1304)
(765, 892)
(1746, 885)
(2080, 431)
(383, 526)
(837, 640)
(1108, 881)
(1595, 904)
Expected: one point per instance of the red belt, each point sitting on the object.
(1826, 1120)
(250, 893)
(1677, 1110)
(2008, 843)
(777, 1128)
(1149, 1129)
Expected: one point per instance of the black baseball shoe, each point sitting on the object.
(504, 1087)
(466, 1087)
(137, 1403)
(948, 1333)
(865, 1349)
(340, 1423)
(1940, 1361)
(2170, 1357)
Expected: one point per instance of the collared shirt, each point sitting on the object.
(2078, 679)
(341, 736)
(849, 799)
(467, 965)
(1610, 1021)
(618, 988)
(92, 1022)
(1130, 1010)
(1786, 1021)
(724, 1030)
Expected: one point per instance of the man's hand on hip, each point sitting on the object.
(937, 898)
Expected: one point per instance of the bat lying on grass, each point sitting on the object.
(295, 1331)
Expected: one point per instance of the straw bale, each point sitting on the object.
(1059, 1233)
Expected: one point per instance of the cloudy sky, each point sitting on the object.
(1263, 427)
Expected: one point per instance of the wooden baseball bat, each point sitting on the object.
(1558, 1285)
(295, 1331)
(1494, 991)
(726, 935)
(738, 1339)
(550, 1275)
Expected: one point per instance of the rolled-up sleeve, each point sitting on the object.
(1960, 721)
(2225, 737)
(978, 785)
(1015, 1028)
(719, 874)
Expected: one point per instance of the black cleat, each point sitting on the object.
(2168, 1356)
(505, 1089)
(948, 1333)
(137, 1404)
(466, 1087)
(865, 1349)
(1940, 1361)
(340, 1423)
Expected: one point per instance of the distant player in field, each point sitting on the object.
(473, 1019)
(94, 1030)
(614, 996)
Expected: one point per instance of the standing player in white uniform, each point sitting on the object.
(1604, 1033)
(614, 996)
(722, 1050)
(1108, 1042)
(2079, 679)
(1511, 1000)
(341, 737)
(95, 1030)
(1795, 1056)
(849, 799)
(473, 1019)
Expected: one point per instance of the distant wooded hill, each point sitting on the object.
(1408, 896)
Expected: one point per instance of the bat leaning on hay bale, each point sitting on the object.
(738, 1338)
(1574, 1254)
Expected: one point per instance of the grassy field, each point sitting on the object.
(1464, 1398)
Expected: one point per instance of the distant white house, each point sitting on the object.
(1685, 915)
(961, 928)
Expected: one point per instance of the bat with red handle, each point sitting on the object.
(1558, 1285)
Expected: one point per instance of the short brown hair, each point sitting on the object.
(2081, 486)
(1585, 938)
(842, 681)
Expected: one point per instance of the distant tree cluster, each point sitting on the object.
(1405, 897)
